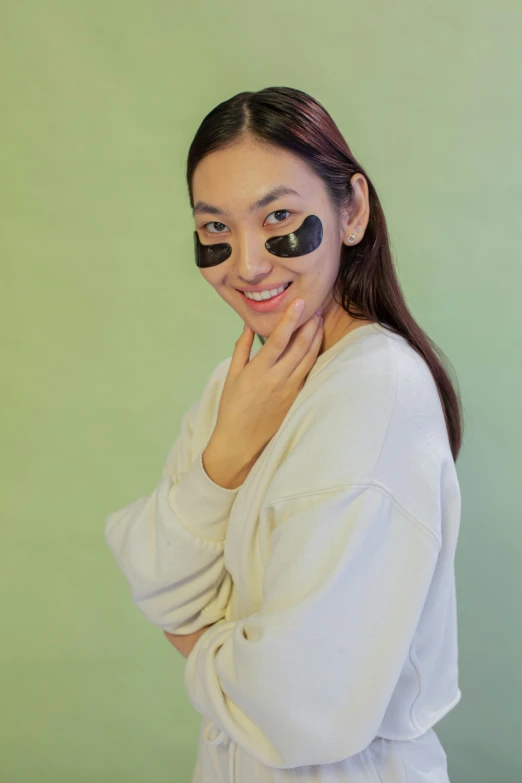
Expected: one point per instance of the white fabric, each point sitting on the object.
(328, 575)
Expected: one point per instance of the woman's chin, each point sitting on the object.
(264, 333)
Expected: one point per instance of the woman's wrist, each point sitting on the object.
(221, 467)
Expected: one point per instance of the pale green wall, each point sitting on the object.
(110, 332)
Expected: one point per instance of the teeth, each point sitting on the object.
(259, 297)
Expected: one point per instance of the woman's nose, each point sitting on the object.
(250, 258)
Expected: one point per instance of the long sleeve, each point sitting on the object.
(170, 545)
(307, 678)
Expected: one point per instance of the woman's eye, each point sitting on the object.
(206, 226)
(279, 212)
(213, 223)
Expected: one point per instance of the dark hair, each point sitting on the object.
(367, 282)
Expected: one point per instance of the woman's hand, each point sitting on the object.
(258, 393)
(185, 642)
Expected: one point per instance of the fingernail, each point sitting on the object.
(319, 311)
(298, 305)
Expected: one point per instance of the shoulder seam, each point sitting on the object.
(372, 484)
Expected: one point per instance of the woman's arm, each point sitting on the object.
(308, 678)
(170, 544)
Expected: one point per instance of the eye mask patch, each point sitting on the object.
(300, 242)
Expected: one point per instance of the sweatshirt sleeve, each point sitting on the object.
(307, 678)
(170, 545)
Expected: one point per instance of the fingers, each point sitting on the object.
(241, 355)
(304, 366)
(276, 344)
(302, 353)
(301, 350)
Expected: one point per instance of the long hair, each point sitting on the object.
(367, 286)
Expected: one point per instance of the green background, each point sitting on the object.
(110, 332)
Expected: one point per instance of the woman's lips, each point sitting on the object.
(266, 306)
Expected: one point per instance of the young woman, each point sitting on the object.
(299, 547)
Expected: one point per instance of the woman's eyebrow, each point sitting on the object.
(280, 190)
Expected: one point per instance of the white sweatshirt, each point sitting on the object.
(328, 576)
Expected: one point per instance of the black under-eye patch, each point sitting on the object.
(300, 242)
(210, 255)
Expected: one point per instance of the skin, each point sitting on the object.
(234, 178)
(185, 642)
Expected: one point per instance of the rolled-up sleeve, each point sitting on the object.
(170, 544)
(307, 678)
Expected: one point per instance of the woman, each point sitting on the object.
(299, 548)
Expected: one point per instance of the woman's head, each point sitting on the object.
(227, 183)
(257, 141)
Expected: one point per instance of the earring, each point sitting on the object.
(351, 238)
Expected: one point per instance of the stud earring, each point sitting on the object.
(351, 238)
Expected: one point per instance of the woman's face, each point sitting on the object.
(230, 181)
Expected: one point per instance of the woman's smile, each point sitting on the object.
(265, 305)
